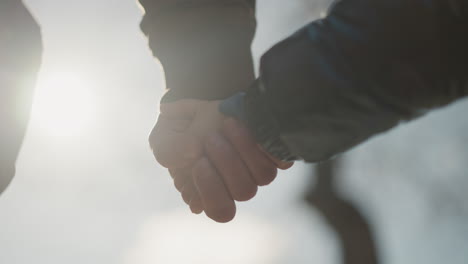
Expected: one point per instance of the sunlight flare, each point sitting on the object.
(65, 103)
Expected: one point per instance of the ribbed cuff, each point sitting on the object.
(251, 109)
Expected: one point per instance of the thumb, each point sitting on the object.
(172, 148)
(181, 109)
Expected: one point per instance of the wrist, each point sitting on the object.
(234, 106)
(252, 109)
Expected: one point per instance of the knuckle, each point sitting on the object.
(152, 141)
(176, 157)
(154, 135)
(161, 159)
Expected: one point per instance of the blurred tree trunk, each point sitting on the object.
(352, 228)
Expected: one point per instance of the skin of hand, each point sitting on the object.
(213, 160)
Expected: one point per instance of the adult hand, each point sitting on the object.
(214, 161)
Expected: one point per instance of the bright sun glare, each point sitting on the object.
(65, 103)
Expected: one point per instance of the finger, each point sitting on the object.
(196, 205)
(283, 165)
(180, 177)
(189, 191)
(230, 166)
(261, 167)
(217, 202)
(174, 149)
(184, 184)
(177, 125)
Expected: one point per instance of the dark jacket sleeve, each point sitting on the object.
(20, 57)
(203, 45)
(367, 66)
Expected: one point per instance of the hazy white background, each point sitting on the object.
(88, 190)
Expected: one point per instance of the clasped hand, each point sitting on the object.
(213, 159)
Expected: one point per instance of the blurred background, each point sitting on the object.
(87, 188)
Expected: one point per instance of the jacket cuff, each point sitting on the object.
(253, 110)
(203, 47)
